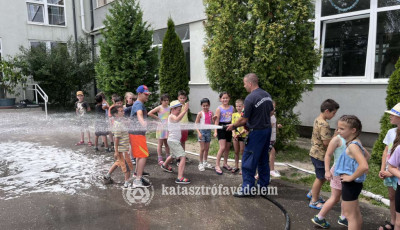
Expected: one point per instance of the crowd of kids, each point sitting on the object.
(346, 175)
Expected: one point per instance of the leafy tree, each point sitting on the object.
(270, 38)
(126, 57)
(173, 69)
(392, 98)
(10, 77)
(60, 71)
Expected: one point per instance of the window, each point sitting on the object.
(49, 45)
(183, 32)
(387, 43)
(331, 7)
(345, 48)
(103, 2)
(46, 12)
(383, 3)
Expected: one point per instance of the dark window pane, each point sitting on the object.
(383, 3)
(35, 13)
(331, 7)
(158, 36)
(182, 31)
(387, 43)
(186, 51)
(56, 2)
(56, 15)
(345, 48)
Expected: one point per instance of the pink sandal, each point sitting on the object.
(90, 144)
(80, 143)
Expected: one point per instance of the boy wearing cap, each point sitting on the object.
(389, 180)
(81, 108)
(137, 135)
(174, 140)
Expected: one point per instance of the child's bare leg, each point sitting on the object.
(206, 148)
(183, 145)
(393, 215)
(316, 189)
(105, 141)
(140, 163)
(88, 134)
(272, 159)
(166, 148)
(334, 199)
(159, 149)
(82, 136)
(201, 157)
(226, 153)
(221, 150)
(397, 223)
(181, 167)
(112, 169)
(168, 160)
(351, 210)
(96, 141)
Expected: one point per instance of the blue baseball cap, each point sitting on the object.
(143, 89)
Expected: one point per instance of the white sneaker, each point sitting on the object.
(274, 173)
(201, 167)
(207, 165)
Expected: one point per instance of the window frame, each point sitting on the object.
(319, 35)
(46, 42)
(45, 5)
(107, 2)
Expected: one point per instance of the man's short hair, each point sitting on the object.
(98, 98)
(252, 78)
(329, 105)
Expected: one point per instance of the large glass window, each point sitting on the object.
(183, 32)
(48, 12)
(345, 48)
(331, 7)
(383, 3)
(387, 43)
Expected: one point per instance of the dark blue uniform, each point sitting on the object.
(257, 109)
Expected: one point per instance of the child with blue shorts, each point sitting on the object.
(204, 117)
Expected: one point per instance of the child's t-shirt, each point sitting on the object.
(395, 159)
(321, 132)
(138, 105)
(120, 131)
(389, 139)
(82, 107)
(235, 117)
(174, 130)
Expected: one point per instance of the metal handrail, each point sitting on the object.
(39, 90)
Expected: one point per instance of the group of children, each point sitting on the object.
(350, 165)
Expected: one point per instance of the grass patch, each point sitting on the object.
(293, 153)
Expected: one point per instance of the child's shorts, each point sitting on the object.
(176, 149)
(391, 182)
(271, 145)
(222, 134)
(205, 135)
(336, 183)
(185, 134)
(319, 168)
(138, 146)
(397, 200)
(240, 139)
(351, 190)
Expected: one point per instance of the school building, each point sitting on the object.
(359, 40)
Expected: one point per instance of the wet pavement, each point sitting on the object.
(96, 206)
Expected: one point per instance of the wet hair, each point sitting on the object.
(163, 97)
(114, 110)
(239, 101)
(204, 100)
(182, 93)
(353, 122)
(98, 98)
(223, 93)
(329, 105)
(396, 141)
(117, 99)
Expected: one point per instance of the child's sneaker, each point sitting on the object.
(167, 168)
(96, 149)
(126, 184)
(182, 180)
(274, 173)
(108, 180)
(133, 161)
(322, 223)
(160, 162)
(108, 150)
(343, 221)
(207, 165)
(309, 195)
(140, 183)
(201, 167)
